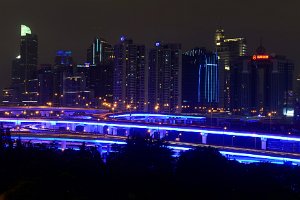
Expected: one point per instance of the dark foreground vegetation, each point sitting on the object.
(143, 169)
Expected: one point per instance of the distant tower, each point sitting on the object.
(229, 50)
(63, 67)
(27, 64)
(200, 78)
(100, 58)
(129, 88)
(45, 78)
(263, 83)
(219, 37)
(165, 78)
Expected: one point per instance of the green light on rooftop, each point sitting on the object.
(25, 30)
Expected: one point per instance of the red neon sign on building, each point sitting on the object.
(260, 57)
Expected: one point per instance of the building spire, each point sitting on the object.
(261, 49)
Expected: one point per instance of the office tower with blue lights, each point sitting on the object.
(229, 50)
(165, 78)
(100, 59)
(200, 75)
(130, 75)
(263, 84)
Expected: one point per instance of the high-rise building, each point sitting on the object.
(297, 89)
(200, 79)
(297, 101)
(130, 72)
(17, 74)
(75, 91)
(229, 50)
(10, 96)
(100, 52)
(24, 68)
(263, 84)
(100, 59)
(46, 84)
(165, 78)
(63, 67)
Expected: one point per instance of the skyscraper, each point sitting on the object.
(100, 52)
(63, 67)
(130, 72)
(165, 78)
(100, 59)
(46, 84)
(265, 84)
(28, 65)
(200, 78)
(229, 50)
(297, 101)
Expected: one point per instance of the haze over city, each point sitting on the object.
(157, 99)
(74, 24)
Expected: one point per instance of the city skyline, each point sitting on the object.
(187, 96)
(74, 26)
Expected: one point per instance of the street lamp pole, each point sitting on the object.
(129, 107)
(270, 115)
(232, 140)
(210, 111)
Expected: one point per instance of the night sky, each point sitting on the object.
(72, 24)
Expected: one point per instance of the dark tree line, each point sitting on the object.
(142, 169)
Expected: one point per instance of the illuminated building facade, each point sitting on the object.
(63, 67)
(130, 75)
(229, 50)
(13, 95)
(10, 96)
(263, 84)
(165, 78)
(200, 78)
(28, 66)
(75, 91)
(100, 59)
(24, 83)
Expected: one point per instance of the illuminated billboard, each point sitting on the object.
(260, 57)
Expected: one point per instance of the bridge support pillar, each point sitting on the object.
(100, 129)
(63, 145)
(115, 131)
(151, 133)
(17, 123)
(172, 121)
(162, 134)
(99, 148)
(127, 132)
(204, 138)
(73, 127)
(89, 128)
(52, 125)
(263, 143)
(110, 130)
(108, 149)
(46, 125)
